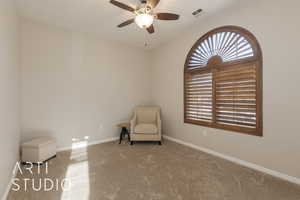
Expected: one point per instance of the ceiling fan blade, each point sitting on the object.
(152, 3)
(122, 5)
(167, 16)
(130, 21)
(150, 29)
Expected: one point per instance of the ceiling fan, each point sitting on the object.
(144, 14)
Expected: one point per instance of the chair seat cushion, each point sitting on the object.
(145, 129)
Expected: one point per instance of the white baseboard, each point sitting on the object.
(238, 161)
(89, 144)
(13, 175)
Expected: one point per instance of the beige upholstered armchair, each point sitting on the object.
(146, 124)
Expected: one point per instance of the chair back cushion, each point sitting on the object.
(145, 129)
(147, 115)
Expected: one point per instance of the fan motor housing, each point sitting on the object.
(143, 8)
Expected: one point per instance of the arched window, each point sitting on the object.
(223, 81)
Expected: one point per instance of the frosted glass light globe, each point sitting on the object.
(144, 20)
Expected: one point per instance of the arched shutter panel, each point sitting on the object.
(230, 46)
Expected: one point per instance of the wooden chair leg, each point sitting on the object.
(131, 143)
(128, 133)
(159, 142)
(122, 134)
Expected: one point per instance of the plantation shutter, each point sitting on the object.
(198, 97)
(236, 96)
(223, 81)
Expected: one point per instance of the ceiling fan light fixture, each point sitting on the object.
(144, 20)
(144, 14)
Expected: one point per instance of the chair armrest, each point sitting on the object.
(159, 124)
(132, 123)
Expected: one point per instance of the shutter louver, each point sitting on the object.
(198, 97)
(236, 96)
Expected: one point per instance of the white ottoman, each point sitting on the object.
(39, 150)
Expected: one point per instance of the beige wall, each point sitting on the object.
(276, 25)
(9, 89)
(75, 85)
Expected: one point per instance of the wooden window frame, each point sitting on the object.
(214, 64)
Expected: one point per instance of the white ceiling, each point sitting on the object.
(101, 17)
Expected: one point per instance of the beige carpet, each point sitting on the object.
(150, 172)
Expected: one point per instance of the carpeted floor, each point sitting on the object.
(150, 172)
